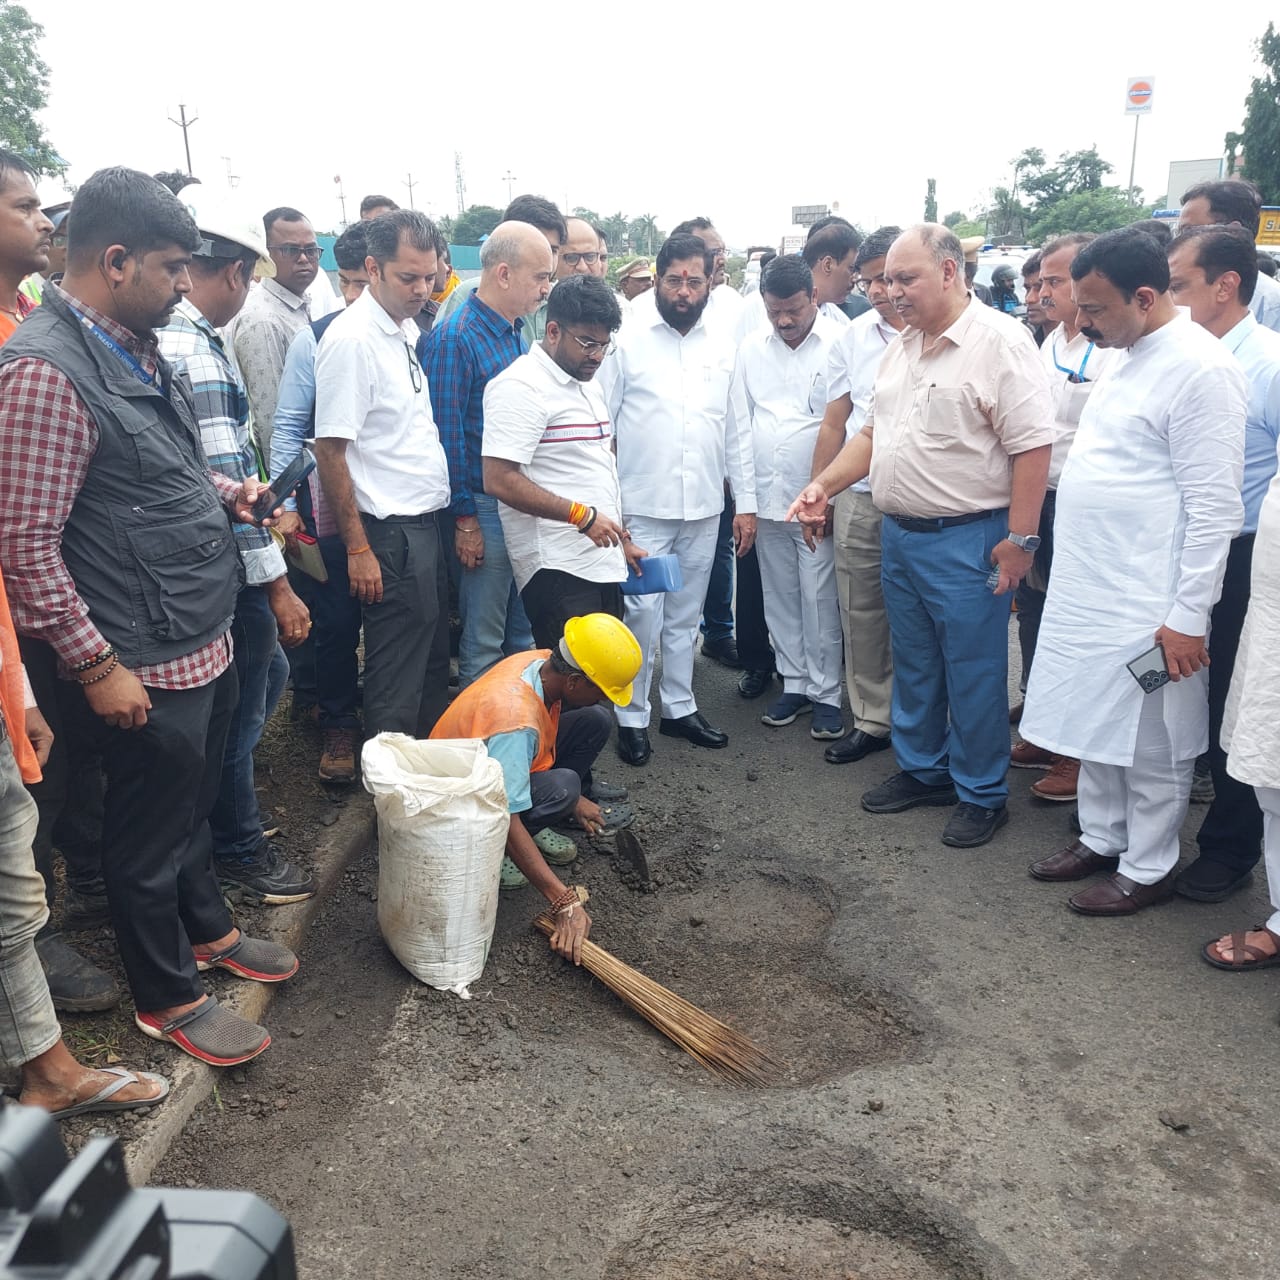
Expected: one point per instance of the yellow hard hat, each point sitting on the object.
(604, 650)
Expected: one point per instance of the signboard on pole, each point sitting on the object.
(805, 215)
(1137, 98)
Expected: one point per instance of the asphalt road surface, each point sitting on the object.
(978, 1083)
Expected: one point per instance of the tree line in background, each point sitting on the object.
(1042, 201)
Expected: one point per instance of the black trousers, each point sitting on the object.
(551, 597)
(69, 797)
(580, 739)
(157, 853)
(1030, 599)
(1231, 832)
(753, 632)
(406, 634)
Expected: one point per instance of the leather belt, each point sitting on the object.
(914, 524)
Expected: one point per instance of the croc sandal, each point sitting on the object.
(603, 792)
(209, 1032)
(558, 850)
(616, 817)
(511, 877)
(1245, 955)
(105, 1099)
(254, 958)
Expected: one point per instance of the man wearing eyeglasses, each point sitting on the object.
(275, 311)
(1074, 365)
(548, 459)
(581, 253)
(385, 477)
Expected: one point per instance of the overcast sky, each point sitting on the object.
(847, 104)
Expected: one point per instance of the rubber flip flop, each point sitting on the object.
(616, 817)
(209, 1032)
(254, 958)
(105, 1099)
(511, 877)
(558, 850)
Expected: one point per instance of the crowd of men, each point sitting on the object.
(845, 476)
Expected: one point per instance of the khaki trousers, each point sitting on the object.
(868, 664)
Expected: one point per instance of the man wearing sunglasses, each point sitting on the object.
(275, 311)
(385, 477)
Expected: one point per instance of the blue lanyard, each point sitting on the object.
(1073, 375)
(117, 350)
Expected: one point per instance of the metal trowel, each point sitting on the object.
(631, 849)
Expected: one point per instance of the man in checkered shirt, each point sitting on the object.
(232, 248)
(117, 547)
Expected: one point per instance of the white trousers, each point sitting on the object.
(1269, 803)
(1135, 812)
(802, 608)
(669, 618)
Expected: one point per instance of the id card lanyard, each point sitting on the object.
(126, 358)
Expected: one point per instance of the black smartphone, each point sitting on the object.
(1150, 670)
(284, 484)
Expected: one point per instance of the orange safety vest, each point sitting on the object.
(501, 702)
(13, 696)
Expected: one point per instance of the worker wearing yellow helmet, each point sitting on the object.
(541, 717)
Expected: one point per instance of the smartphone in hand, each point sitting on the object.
(1150, 670)
(284, 484)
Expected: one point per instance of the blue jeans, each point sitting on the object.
(717, 608)
(336, 616)
(263, 671)
(494, 623)
(28, 1024)
(950, 639)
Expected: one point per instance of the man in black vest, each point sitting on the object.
(119, 555)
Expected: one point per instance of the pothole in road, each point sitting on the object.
(753, 953)
(826, 1231)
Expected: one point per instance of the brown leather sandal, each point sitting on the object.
(1244, 954)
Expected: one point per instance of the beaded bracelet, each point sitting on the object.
(569, 898)
(89, 663)
(102, 675)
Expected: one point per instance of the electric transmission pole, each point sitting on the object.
(411, 184)
(509, 179)
(459, 184)
(184, 123)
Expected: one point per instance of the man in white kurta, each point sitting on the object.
(1148, 503)
(780, 388)
(667, 388)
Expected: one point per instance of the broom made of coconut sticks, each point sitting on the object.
(719, 1048)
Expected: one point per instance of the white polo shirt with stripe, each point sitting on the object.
(558, 430)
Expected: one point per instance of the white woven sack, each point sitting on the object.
(442, 830)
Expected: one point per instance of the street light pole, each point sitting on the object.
(509, 179)
(411, 184)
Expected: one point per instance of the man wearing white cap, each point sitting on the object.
(232, 249)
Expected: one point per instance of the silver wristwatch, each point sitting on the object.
(1027, 542)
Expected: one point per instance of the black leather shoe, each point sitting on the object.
(633, 745)
(77, 985)
(753, 682)
(853, 747)
(725, 652)
(903, 791)
(693, 728)
(1208, 880)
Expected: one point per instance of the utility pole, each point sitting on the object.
(459, 182)
(233, 179)
(184, 123)
(509, 179)
(411, 184)
(342, 199)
